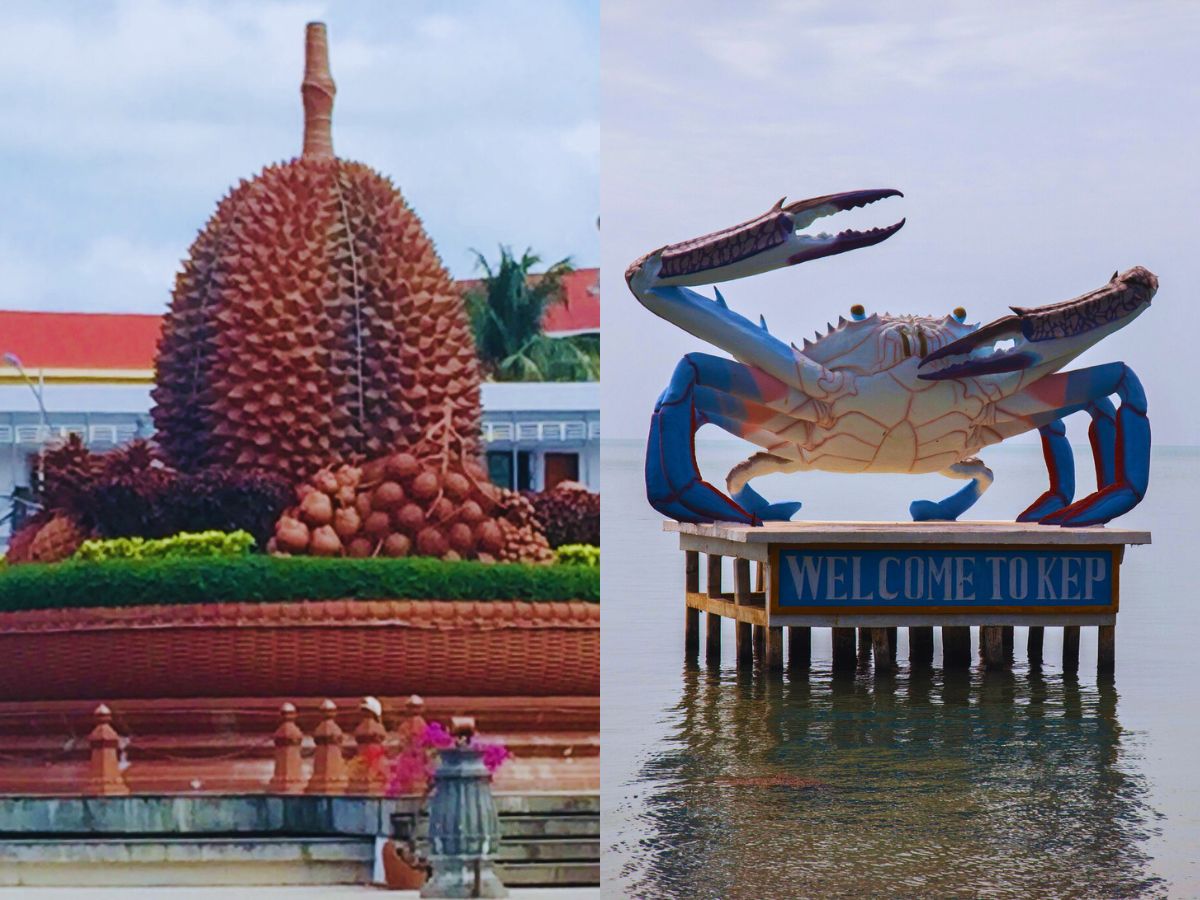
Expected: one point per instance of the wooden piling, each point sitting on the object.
(893, 636)
(864, 648)
(714, 576)
(741, 595)
(691, 633)
(712, 638)
(799, 648)
(956, 647)
(844, 659)
(691, 571)
(991, 641)
(882, 651)
(1106, 656)
(1037, 637)
(774, 658)
(920, 646)
(1070, 661)
(1008, 643)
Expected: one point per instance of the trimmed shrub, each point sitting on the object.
(579, 555)
(569, 514)
(257, 578)
(187, 544)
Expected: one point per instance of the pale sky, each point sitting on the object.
(1040, 146)
(123, 123)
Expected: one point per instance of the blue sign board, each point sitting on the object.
(962, 578)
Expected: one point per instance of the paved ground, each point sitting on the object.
(348, 892)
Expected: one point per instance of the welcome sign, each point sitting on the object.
(931, 580)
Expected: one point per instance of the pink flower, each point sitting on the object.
(494, 756)
(436, 736)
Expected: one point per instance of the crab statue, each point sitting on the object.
(884, 393)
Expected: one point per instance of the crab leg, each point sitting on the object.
(1122, 449)
(956, 504)
(708, 389)
(1102, 434)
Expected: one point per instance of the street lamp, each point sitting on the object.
(44, 433)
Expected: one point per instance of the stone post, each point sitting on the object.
(367, 776)
(104, 772)
(329, 769)
(288, 737)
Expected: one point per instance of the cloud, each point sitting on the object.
(125, 121)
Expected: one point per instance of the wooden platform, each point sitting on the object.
(880, 576)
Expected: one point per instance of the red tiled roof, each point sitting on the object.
(581, 311)
(91, 342)
(48, 340)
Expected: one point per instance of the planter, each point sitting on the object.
(303, 649)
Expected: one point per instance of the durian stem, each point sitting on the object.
(318, 90)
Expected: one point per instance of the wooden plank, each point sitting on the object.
(691, 572)
(774, 649)
(753, 614)
(799, 649)
(712, 638)
(694, 543)
(814, 533)
(1106, 656)
(909, 620)
(882, 651)
(1070, 648)
(691, 632)
(956, 647)
(1037, 637)
(843, 650)
(991, 640)
(713, 586)
(920, 646)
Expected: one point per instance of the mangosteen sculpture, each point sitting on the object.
(313, 319)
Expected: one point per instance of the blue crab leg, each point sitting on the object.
(1123, 450)
(707, 389)
(1060, 462)
(955, 505)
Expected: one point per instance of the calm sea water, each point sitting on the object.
(719, 784)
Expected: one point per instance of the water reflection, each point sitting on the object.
(930, 785)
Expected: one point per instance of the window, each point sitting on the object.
(500, 468)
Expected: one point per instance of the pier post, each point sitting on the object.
(1070, 662)
(881, 645)
(691, 616)
(1009, 640)
(741, 596)
(1106, 656)
(864, 647)
(843, 650)
(1037, 637)
(956, 647)
(712, 621)
(799, 648)
(893, 644)
(775, 649)
(760, 645)
(920, 646)
(991, 643)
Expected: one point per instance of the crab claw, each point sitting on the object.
(769, 241)
(1040, 334)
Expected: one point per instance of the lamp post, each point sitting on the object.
(44, 433)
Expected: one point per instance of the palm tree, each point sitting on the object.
(506, 317)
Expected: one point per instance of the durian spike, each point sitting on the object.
(318, 90)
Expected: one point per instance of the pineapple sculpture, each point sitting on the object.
(313, 320)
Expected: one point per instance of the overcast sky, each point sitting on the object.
(1040, 147)
(122, 124)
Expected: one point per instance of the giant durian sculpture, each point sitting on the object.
(313, 320)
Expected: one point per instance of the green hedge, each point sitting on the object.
(579, 555)
(190, 544)
(123, 582)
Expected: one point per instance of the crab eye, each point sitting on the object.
(959, 314)
(857, 313)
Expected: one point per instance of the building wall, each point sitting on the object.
(521, 418)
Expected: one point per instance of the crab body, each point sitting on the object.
(883, 393)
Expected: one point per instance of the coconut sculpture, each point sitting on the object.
(315, 333)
